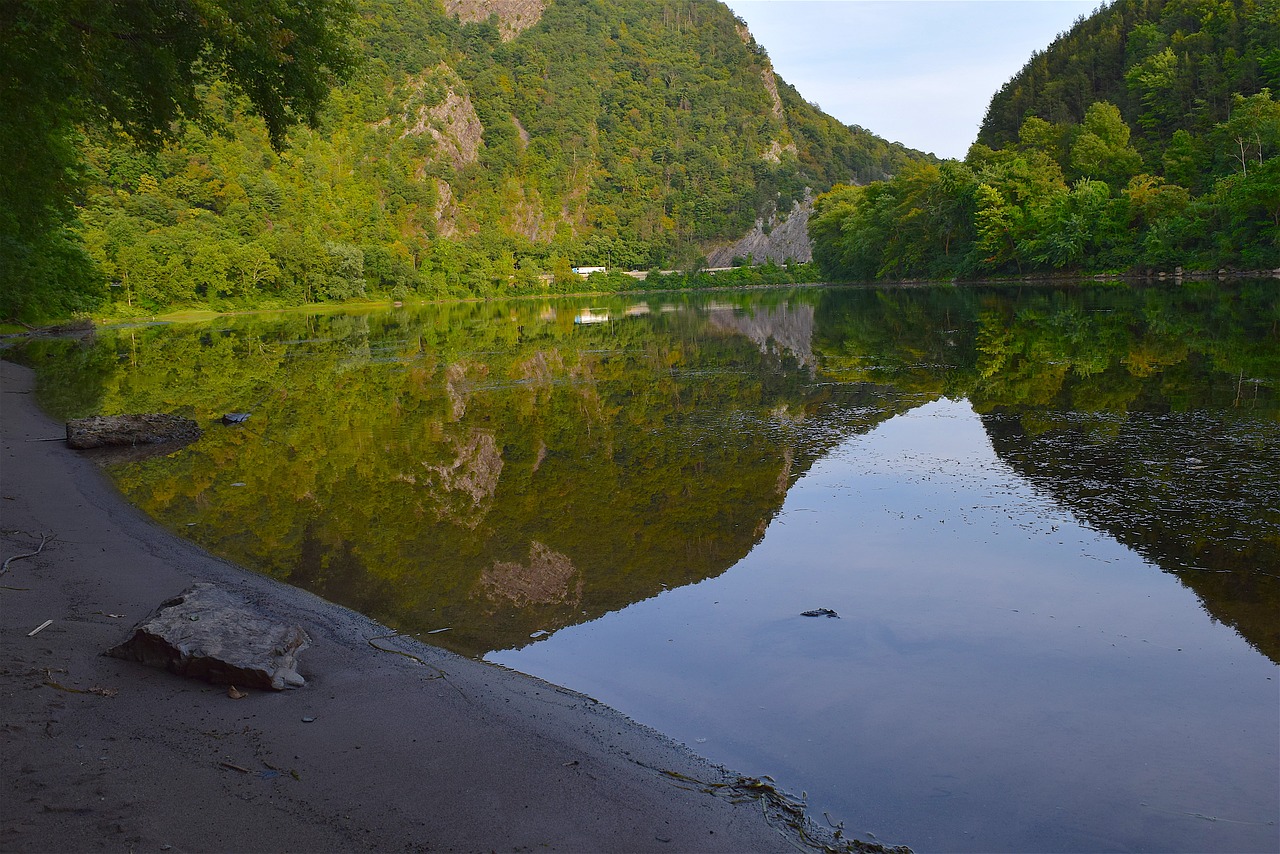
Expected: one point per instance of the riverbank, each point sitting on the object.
(380, 751)
(197, 314)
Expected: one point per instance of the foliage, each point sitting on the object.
(132, 69)
(618, 133)
(1167, 65)
(1146, 138)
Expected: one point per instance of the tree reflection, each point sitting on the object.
(500, 470)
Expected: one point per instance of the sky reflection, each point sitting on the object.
(992, 657)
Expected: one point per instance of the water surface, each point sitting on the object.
(1048, 520)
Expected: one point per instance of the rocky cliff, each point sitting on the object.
(777, 239)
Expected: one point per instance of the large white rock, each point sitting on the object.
(209, 633)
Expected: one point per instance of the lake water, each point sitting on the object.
(1048, 519)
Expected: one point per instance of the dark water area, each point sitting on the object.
(1048, 518)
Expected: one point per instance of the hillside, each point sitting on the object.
(481, 147)
(1145, 140)
(1170, 66)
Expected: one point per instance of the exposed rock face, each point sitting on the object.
(101, 431)
(454, 126)
(771, 85)
(211, 634)
(784, 144)
(459, 379)
(462, 490)
(476, 470)
(446, 211)
(788, 239)
(540, 369)
(513, 15)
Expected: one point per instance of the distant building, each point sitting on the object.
(587, 271)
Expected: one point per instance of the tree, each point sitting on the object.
(1102, 149)
(1253, 128)
(137, 67)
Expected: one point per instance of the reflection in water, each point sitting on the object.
(1001, 678)
(546, 580)
(1195, 494)
(497, 469)
(979, 481)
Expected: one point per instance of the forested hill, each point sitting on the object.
(1168, 65)
(480, 147)
(1145, 139)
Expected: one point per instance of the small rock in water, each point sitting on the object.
(820, 612)
(235, 418)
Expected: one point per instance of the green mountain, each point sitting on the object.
(481, 147)
(1170, 66)
(1145, 139)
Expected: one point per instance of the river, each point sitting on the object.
(1047, 520)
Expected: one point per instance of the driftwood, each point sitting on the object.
(44, 538)
(102, 431)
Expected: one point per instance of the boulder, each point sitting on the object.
(209, 633)
(124, 430)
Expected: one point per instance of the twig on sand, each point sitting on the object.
(440, 674)
(44, 538)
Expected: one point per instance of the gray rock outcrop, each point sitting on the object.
(209, 633)
(787, 239)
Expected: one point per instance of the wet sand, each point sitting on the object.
(379, 751)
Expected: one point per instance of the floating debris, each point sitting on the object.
(820, 612)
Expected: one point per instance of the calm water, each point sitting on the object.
(1049, 521)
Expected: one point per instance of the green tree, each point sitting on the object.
(1101, 150)
(1253, 130)
(137, 67)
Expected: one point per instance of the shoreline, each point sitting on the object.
(190, 314)
(420, 750)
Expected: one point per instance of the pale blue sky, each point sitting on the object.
(919, 72)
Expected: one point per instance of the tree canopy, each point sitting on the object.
(457, 159)
(1146, 138)
(134, 68)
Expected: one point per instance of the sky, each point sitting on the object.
(919, 72)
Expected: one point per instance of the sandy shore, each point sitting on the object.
(103, 754)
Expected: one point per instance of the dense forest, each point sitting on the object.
(463, 155)
(1145, 139)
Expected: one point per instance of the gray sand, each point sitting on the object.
(448, 754)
